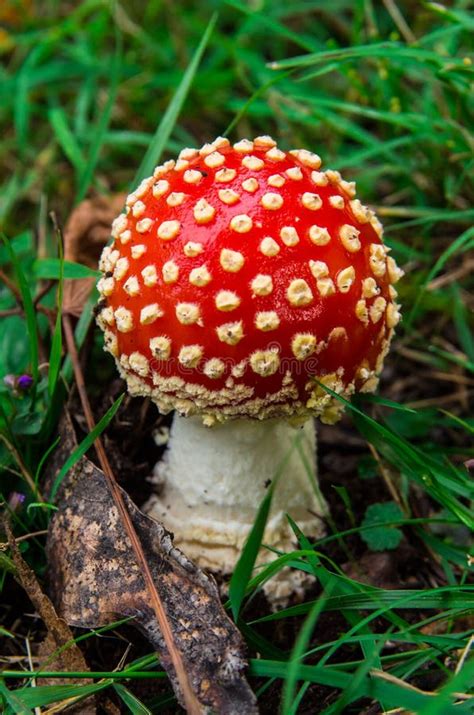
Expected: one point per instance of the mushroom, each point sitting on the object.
(241, 282)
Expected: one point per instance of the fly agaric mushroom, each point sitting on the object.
(242, 281)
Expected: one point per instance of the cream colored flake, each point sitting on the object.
(203, 212)
(231, 261)
(349, 236)
(119, 225)
(160, 188)
(121, 268)
(132, 286)
(123, 320)
(139, 364)
(319, 178)
(138, 209)
(319, 235)
(393, 293)
(377, 309)
(253, 163)
(275, 154)
(310, 201)
(271, 201)
(170, 272)
(224, 175)
(349, 187)
(266, 320)
(276, 180)
(149, 276)
(307, 158)
(262, 285)
(394, 272)
(265, 362)
(214, 368)
(294, 173)
(138, 250)
(337, 201)
(239, 369)
(393, 315)
(192, 249)
(264, 142)
(160, 347)
(377, 259)
(168, 230)
(303, 345)
(191, 176)
(345, 279)
(188, 313)
(228, 196)
(221, 142)
(269, 247)
(190, 355)
(188, 154)
(111, 343)
(361, 311)
(200, 276)
(107, 315)
(241, 223)
(106, 263)
(176, 198)
(227, 300)
(319, 269)
(163, 168)
(125, 237)
(106, 286)
(289, 236)
(333, 176)
(207, 149)
(376, 225)
(369, 288)
(299, 293)
(325, 287)
(214, 160)
(250, 185)
(150, 313)
(361, 213)
(181, 165)
(244, 146)
(230, 333)
(144, 225)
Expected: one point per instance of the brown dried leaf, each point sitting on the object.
(85, 234)
(95, 581)
(58, 650)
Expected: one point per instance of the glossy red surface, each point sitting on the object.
(323, 314)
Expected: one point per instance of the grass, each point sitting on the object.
(92, 93)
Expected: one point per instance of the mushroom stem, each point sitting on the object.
(214, 479)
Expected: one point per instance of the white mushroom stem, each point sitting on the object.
(213, 481)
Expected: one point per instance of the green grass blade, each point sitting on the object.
(134, 705)
(165, 127)
(30, 313)
(300, 646)
(85, 445)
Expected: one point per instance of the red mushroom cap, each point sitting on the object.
(241, 273)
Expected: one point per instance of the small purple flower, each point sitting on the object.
(24, 382)
(18, 384)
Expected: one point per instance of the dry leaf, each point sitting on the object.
(95, 581)
(59, 634)
(85, 234)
